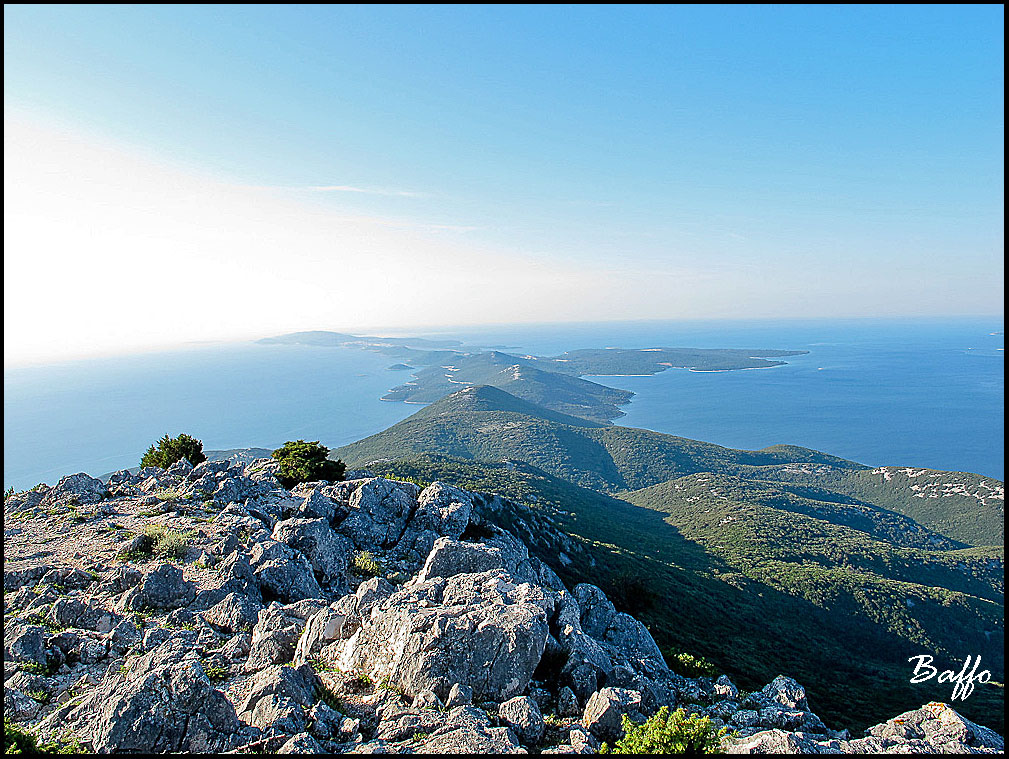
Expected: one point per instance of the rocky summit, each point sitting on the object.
(208, 609)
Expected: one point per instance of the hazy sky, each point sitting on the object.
(197, 172)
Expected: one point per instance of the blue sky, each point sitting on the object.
(784, 161)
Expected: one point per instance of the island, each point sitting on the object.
(558, 383)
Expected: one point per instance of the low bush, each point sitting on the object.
(170, 450)
(366, 564)
(690, 666)
(306, 462)
(668, 732)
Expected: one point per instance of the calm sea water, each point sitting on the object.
(917, 393)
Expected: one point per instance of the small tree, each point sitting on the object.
(668, 732)
(306, 462)
(171, 450)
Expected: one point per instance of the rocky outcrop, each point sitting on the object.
(277, 640)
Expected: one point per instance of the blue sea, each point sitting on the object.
(925, 393)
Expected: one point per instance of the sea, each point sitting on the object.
(909, 392)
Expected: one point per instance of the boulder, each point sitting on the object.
(17, 706)
(459, 695)
(605, 708)
(327, 552)
(161, 702)
(482, 629)
(522, 714)
(24, 643)
(75, 489)
(235, 612)
(467, 730)
(940, 726)
(443, 509)
(378, 511)
(283, 573)
(302, 743)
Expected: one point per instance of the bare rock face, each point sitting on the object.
(939, 726)
(457, 622)
(480, 629)
(75, 488)
(327, 552)
(606, 707)
(162, 701)
(523, 716)
(379, 510)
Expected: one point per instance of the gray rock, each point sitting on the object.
(427, 699)
(443, 509)
(324, 627)
(785, 691)
(24, 643)
(302, 743)
(75, 488)
(467, 730)
(481, 629)
(522, 714)
(567, 703)
(72, 612)
(283, 573)
(297, 684)
(234, 613)
(161, 702)
(327, 552)
(450, 557)
(17, 706)
(606, 707)
(274, 637)
(237, 647)
(278, 714)
(459, 695)
(164, 587)
(378, 511)
(941, 727)
(725, 688)
(326, 722)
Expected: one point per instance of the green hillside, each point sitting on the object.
(966, 507)
(486, 424)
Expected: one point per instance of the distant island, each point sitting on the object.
(554, 382)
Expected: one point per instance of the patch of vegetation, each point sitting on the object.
(366, 564)
(690, 666)
(20, 741)
(306, 462)
(166, 543)
(319, 665)
(667, 732)
(41, 696)
(215, 671)
(324, 694)
(171, 450)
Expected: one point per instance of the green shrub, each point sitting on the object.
(306, 462)
(168, 544)
(366, 564)
(690, 666)
(668, 732)
(18, 741)
(171, 450)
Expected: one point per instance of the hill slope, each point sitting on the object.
(795, 556)
(487, 424)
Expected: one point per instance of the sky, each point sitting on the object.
(177, 174)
